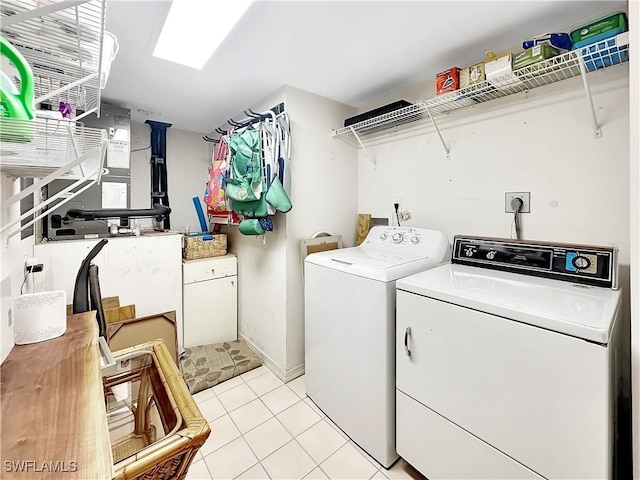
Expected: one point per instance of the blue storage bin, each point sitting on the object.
(605, 53)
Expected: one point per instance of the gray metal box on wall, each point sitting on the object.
(114, 190)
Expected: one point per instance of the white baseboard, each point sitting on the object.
(281, 373)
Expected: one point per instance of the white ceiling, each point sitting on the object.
(354, 52)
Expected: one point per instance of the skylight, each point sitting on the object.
(194, 29)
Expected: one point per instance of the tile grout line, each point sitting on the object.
(259, 397)
(274, 415)
(305, 450)
(227, 412)
(293, 438)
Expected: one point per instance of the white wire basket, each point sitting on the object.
(37, 148)
(63, 44)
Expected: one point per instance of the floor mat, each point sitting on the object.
(207, 365)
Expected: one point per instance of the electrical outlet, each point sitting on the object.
(524, 196)
(397, 200)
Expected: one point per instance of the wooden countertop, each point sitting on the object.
(54, 422)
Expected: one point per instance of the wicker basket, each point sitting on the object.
(155, 385)
(195, 247)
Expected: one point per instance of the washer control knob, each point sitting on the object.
(581, 263)
(491, 254)
(383, 236)
(397, 237)
(415, 239)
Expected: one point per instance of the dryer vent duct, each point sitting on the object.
(159, 181)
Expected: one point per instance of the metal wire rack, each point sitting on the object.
(48, 150)
(63, 44)
(567, 65)
(37, 148)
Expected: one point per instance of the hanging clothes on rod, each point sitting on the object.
(249, 172)
(215, 198)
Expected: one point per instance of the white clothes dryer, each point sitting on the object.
(350, 329)
(508, 362)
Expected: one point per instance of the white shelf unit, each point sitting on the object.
(63, 43)
(567, 65)
(49, 150)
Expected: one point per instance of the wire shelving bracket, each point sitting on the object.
(587, 90)
(435, 124)
(366, 152)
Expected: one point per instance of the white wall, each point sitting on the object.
(323, 194)
(542, 142)
(12, 258)
(187, 160)
(262, 316)
(145, 271)
(634, 128)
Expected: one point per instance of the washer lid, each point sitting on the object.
(372, 263)
(578, 310)
(388, 253)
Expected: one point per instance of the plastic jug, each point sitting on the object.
(16, 104)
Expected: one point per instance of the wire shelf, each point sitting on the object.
(63, 44)
(562, 67)
(37, 148)
(398, 117)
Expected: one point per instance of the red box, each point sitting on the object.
(448, 81)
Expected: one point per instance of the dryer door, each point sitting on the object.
(538, 396)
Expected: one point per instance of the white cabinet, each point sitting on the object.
(210, 300)
(144, 271)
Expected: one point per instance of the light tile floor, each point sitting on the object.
(264, 429)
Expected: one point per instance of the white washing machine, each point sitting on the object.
(350, 301)
(507, 362)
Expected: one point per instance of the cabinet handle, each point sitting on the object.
(213, 271)
(232, 283)
(407, 332)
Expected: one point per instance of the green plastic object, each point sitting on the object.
(17, 107)
(599, 30)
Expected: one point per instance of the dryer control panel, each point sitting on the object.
(589, 265)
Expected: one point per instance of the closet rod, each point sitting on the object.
(255, 117)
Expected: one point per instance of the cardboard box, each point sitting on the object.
(448, 81)
(599, 30)
(535, 54)
(472, 75)
(477, 73)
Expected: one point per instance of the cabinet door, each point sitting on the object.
(538, 396)
(211, 311)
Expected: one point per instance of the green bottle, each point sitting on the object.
(14, 104)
